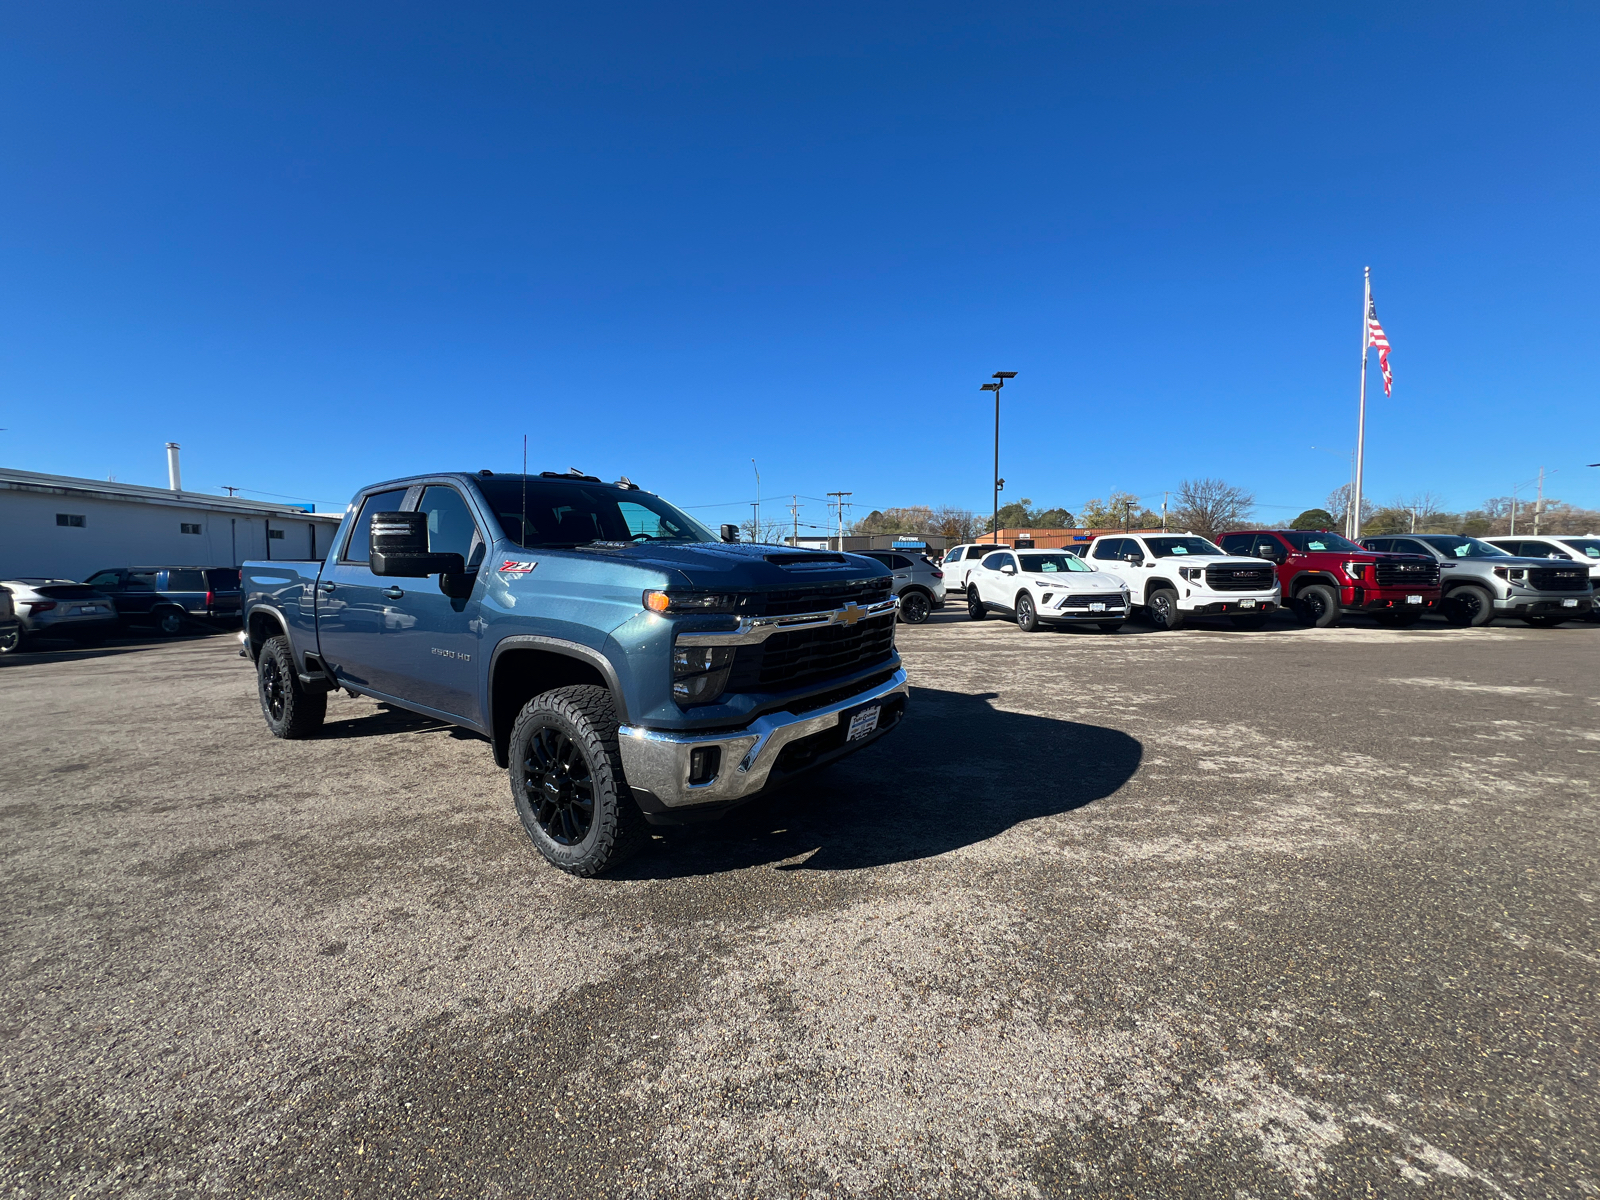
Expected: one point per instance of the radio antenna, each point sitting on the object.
(522, 538)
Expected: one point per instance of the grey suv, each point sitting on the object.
(1480, 582)
(918, 583)
(62, 608)
(10, 627)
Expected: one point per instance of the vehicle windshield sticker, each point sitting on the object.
(513, 567)
(1317, 545)
(1180, 549)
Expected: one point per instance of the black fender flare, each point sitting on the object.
(249, 618)
(1151, 585)
(553, 645)
(1306, 578)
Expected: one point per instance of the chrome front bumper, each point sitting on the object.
(658, 761)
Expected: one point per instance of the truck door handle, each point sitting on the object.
(327, 587)
(392, 593)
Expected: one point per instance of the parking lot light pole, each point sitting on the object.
(1000, 378)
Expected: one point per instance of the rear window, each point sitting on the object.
(67, 591)
(223, 579)
(186, 581)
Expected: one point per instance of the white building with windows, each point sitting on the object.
(66, 528)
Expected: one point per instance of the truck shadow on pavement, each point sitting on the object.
(958, 772)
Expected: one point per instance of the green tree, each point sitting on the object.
(1314, 518)
(1118, 511)
(1388, 519)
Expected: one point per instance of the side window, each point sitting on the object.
(141, 581)
(1381, 544)
(186, 581)
(994, 562)
(882, 558)
(359, 548)
(451, 529)
(900, 562)
(106, 579)
(1267, 546)
(1236, 543)
(1407, 546)
(1106, 547)
(955, 555)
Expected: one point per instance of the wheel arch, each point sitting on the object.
(260, 623)
(527, 665)
(1306, 578)
(1156, 584)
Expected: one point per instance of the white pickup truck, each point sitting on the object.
(1177, 575)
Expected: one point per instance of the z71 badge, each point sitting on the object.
(512, 567)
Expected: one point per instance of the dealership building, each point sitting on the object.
(61, 527)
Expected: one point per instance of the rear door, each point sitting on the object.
(186, 588)
(356, 625)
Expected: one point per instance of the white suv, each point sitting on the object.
(958, 562)
(1174, 575)
(1045, 587)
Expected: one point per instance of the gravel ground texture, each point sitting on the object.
(1202, 914)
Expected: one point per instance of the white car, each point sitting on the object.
(1176, 575)
(1045, 587)
(958, 562)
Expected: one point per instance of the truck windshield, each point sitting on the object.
(1320, 541)
(1588, 547)
(1046, 564)
(576, 514)
(1166, 547)
(1464, 547)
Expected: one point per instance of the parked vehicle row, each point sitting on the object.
(109, 601)
(1318, 575)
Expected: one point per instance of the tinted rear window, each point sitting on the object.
(223, 579)
(186, 581)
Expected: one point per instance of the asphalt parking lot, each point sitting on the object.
(1209, 914)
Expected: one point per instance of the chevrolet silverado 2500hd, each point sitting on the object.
(627, 665)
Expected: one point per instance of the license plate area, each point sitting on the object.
(1569, 604)
(1413, 599)
(863, 722)
(1097, 606)
(1247, 604)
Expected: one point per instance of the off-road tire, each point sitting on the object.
(1468, 605)
(915, 606)
(1547, 622)
(171, 621)
(975, 609)
(290, 710)
(1251, 621)
(1317, 605)
(587, 717)
(1162, 606)
(1027, 615)
(1109, 626)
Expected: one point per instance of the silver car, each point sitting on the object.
(918, 583)
(1482, 582)
(62, 608)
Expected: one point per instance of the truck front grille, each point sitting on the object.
(1418, 573)
(802, 656)
(1559, 579)
(1240, 579)
(823, 597)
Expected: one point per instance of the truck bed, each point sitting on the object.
(290, 586)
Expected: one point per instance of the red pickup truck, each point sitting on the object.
(1324, 575)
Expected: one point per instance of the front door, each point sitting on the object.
(356, 622)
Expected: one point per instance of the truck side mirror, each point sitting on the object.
(1135, 558)
(400, 548)
(730, 533)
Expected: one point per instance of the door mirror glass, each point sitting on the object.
(399, 547)
(1008, 569)
(730, 533)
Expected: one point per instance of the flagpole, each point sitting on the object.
(1361, 420)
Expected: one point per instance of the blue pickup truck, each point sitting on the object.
(629, 666)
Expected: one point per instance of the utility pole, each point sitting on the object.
(999, 378)
(229, 490)
(1538, 508)
(755, 522)
(794, 511)
(757, 470)
(839, 496)
(1164, 496)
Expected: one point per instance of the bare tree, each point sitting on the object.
(1211, 507)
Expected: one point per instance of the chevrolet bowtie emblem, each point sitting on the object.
(849, 614)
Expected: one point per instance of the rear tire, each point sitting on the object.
(11, 642)
(915, 607)
(171, 621)
(1027, 615)
(1163, 607)
(975, 609)
(290, 710)
(1317, 606)
(1469, 606)
(567, 781)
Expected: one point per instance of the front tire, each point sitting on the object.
(170, 621)
(1318, 606)
(11, 642)
(1027, 615)
(1469, 606)
(1164, 611)
(290, 710)
(567, 782)
(975, 609)
(915, 607)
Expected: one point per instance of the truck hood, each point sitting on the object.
(738, 566)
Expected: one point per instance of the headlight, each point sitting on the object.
(700, 602)
(700, 673)
(1354, 570)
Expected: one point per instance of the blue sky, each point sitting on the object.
(322, 245)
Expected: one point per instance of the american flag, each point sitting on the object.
(1377, 337)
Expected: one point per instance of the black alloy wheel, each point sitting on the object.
(1027, 617)
(560, 786)
(1164, 611)
(975, 609)
(1318, 605)
(1468, 606)
(914, 607)
(273, 689)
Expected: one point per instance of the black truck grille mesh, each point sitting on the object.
(1109, 599)
(1559, 579)
(1402, 574)
(1240, 579)
(802, 656)
(820, 598)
